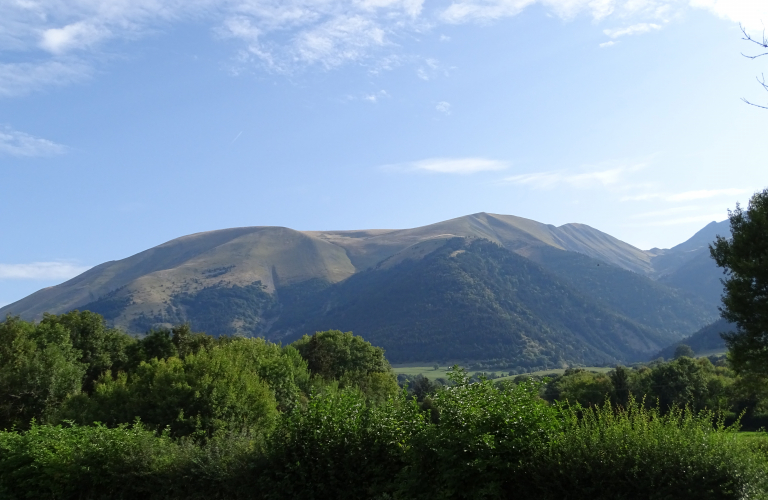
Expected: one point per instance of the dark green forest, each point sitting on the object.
(472, 299)
(89, 412)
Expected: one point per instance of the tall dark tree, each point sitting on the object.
(744, 259)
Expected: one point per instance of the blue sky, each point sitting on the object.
(127, 123)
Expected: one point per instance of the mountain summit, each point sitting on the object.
(278, 282)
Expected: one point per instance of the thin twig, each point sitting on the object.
(749, 38)
(753, 104)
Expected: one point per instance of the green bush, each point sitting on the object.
(212, 391)
(39, 369)
(63, 462)
(639, 453)
(341, 447)
(484, 435)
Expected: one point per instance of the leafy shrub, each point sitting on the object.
(340, 447)
(221, 389)
(484, 435)
(63, 462)
(639, 453)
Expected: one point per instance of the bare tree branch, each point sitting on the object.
(748, 37)
(764, 44)
(753, 104)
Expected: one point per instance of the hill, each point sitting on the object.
(689, 267)
(473, 299)
(144, 284)
(268, 281)
(706, 340)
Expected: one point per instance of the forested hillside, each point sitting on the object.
(472, 299)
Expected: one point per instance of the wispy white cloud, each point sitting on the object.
(444, 107)
(683, 220)
(22, 78)
(41, 271)
(611, 177)
(77, 35)
(64, 38)
(15, 143)
(687, 195)
(609, 43)
(666, 212)
(381, 94)
(635, 29)
(462, 166)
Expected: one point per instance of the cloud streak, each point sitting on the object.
(64, 39)
(456, 166)
(595, 178)
(700, 194)
(41, 271)
(19, 144)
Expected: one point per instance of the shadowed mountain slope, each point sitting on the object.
(473, 299)
(704, 341)
(689, 267)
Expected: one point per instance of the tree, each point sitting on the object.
(101, 348)
(683, 350)
(744, 259)
(679, 383)
(764, 44)
(350, 360)
(225, 388)
(39, 369)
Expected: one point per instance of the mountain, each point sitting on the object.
(277, 256)
(268, 281)
(473, 299)
(689, 267)
(706, 340)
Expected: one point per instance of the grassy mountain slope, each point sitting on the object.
(367, 248)
(637, 297)
(707, 339)
(688, 266)
(144, 285)
(473, 299)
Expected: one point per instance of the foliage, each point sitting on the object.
(480, 443)
(193, 417)
(744, 259)
(215, 390)
(683, 350)
(640, 453)
(578, 385)
(101, 348)
(39, 368)
(335, 355)
(68, 462)
(341, 447)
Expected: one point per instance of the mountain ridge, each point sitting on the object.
(240, 280)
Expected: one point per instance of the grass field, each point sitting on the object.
(442, 371)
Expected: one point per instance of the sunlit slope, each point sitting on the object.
(367, 248)
(272, 255)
